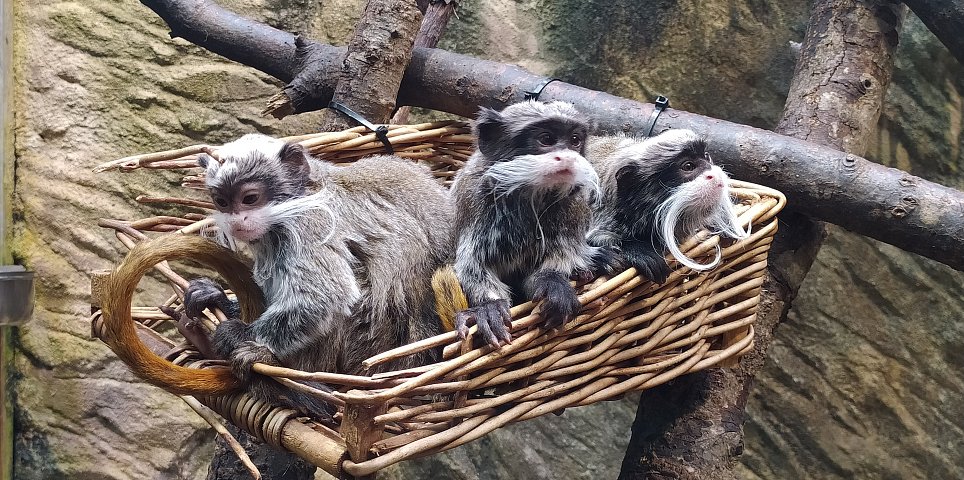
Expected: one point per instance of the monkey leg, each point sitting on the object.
(559, 300)
(647, 261)
(492, 318)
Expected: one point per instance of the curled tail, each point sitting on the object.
(449, 297)
(120, 333)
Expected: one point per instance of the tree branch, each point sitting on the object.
(693, 429)
(437, 15)
(377, 56)
(876, 201)
(945, 19)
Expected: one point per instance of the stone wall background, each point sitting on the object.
(864, 380)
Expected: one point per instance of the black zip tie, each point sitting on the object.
(534, 93)
(662, 103)
(381, 131)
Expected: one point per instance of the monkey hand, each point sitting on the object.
(204, 293)
(246, 355)
(649, 264)
(606, 260)
(559, 300)
(492, 318)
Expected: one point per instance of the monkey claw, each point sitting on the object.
(630, 335)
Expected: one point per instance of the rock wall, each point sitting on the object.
(863, 380)
(97, 81)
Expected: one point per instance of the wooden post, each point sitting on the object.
(6, 190)
(359, 430)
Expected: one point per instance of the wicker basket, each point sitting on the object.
(631, 334)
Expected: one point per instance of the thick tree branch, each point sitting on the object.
(945, 19)
(693, 428)
(882, 203)
(372, 70)
(437, 16)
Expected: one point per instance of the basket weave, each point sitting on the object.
(631, 334)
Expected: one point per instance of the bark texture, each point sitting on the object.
(692, 429)
(437, 16)
(845, 189)
(377, 56)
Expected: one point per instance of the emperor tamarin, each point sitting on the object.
(344, 255)
(522, 213)
(655, 192)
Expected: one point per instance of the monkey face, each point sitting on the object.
(257, 174)
(536, 146)
(242, 209)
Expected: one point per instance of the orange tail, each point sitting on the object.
(119, 331)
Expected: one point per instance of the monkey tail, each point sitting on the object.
(449, 297)
(119, 331)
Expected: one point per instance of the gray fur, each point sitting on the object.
(346, 274)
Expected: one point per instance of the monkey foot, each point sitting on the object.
(492, 318)
(246, 355)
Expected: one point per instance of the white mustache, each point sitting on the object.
(687, 211)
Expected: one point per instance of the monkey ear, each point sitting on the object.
(294, 159)
(491, 134)
(209, 164)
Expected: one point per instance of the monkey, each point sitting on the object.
(655, 192)
(522, 206)
(344, 256)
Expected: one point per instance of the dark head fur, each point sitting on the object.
(281, 173)
(282, 167)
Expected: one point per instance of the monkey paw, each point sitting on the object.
(492, 318)
(204, 293)
(607, 260)
(559, 301)
(650, 265)
(246, 355)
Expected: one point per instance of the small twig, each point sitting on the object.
(193, 331)
(138, 161)
(232, 442)
(179, 201)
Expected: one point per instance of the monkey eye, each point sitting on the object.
(250, 199)
(688, 166)
(575, 141)
(221, 202)
(546, 139)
